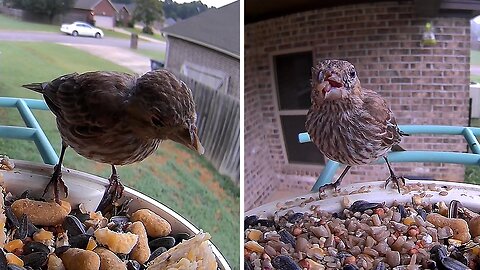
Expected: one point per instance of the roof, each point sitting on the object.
(169, 21)
(128, 7)
(266, 9)
(217, 29)
(89, 4)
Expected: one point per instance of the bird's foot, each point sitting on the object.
(397, 180)
(56, 181)
(113, 192)
(332, 186)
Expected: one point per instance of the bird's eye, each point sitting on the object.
(352, 74)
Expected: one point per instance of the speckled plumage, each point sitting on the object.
(348, 123)
(118, 118)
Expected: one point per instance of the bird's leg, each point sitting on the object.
(56, 179)
(113, 192)
(335, 184)
(393, 177)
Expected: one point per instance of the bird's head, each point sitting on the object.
(164, 107)
(334, 80)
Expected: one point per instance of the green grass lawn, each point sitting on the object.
(9, 23)
(475, 78)
(157, 55)
(474, 57)
(112, 33)
(475, 60)
(472, 173)
(139, 32)
(174, 176)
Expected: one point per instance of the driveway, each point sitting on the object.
(116, 50)
(120, 56)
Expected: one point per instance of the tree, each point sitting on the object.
(183, 11)
(148, 11)
(49, 8)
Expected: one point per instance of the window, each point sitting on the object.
(215, 79)
(292, 75)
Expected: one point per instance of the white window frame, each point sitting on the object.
(278, 112)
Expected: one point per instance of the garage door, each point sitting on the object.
(104, 21)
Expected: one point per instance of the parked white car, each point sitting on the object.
(81, 29)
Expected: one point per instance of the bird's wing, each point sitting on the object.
(379, 111)
(89, 102)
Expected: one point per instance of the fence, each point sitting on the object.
(218, 122)
(16, 13)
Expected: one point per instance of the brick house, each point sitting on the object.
(206, 48)
(100, 13)
(125, 13)
(423, 84)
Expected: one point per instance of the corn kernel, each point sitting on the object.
(13, 259)
(92, 244)
(43, 235)
(66, 205)
(14, 244)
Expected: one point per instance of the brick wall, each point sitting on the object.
(180, 51)
(105, 8)
(259, 176)
(424, 85)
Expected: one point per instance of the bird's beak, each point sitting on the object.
(331, 87)
(190, 139)
(196, 145)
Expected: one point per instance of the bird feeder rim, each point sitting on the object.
(374, 192)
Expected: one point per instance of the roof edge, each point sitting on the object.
(204, 45)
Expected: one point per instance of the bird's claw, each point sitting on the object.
(56, 181)
(113, 192)
(395, 179)
(333, 186)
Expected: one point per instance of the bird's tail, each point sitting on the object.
(37, 87)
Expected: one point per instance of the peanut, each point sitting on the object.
(141, 251)
(79, 259)
(41, 213)
(155, 225)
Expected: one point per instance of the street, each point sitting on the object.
(63, 38)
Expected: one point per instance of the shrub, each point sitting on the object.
(147, 30)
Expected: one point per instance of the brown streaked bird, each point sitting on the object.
(118, 118)
(350, 124)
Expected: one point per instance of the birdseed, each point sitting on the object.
(366, 235)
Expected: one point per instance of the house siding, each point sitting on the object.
(180, 51)
(423, 85)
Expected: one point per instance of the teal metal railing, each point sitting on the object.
(469, 133)
(33, 131)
